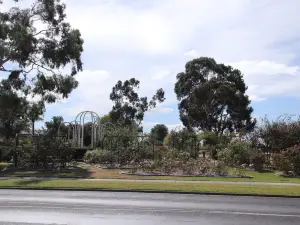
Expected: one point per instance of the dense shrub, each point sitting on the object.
(218, 168)
(78, 154)
(42, 151)
(5, 153)
(99, 156)
(281, 162)
(275, 136)
(236, 154)
(258, 159)
(288, 160)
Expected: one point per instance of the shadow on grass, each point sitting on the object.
(28, 182)
(69, 172)
(265, 171)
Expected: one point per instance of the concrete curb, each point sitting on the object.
(150, 191)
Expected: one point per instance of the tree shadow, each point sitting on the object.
(68, 172)
(28, 182)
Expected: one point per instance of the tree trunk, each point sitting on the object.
(32, 127)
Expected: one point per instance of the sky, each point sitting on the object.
(152, 40)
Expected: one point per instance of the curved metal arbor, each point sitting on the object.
(98, 129)
(78, 129)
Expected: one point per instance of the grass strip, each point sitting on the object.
(269, 177)
(148, 186)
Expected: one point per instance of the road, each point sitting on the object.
(93, 208)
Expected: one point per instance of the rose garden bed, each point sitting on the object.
(141, 173)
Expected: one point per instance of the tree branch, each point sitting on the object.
(2, 62)
(35, 63)
(39, 32)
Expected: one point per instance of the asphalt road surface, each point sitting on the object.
(76, 208)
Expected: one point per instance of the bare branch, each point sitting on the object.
(32, 68)
(35, 63)
(39, 32)
(2, 62)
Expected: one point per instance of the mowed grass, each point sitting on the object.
(3, 165)
(233, 188)
(92, 172)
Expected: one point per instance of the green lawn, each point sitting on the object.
(146, 186)
(84, 171)
(3, 165)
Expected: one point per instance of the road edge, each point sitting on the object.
(151, 191)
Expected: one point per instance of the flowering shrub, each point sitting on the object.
(236, 154)
(258, 159)
(288, 160)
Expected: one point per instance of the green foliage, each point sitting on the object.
(42, 151)
(258, 159)
(128, 107)
(275, 136)
(38, 39)
(34, 112)
(166, 140)
(184, 140)
(218, 167)
(5, 153)
(159, 132)
(288, 160)
(55, 124)
(236, 154)
(13, 111)
(99, 156)
(78, 154)
(105, 119)
(184, 156)
(210, 138)
(213, 97)
(180, 163)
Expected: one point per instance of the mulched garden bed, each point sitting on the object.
(182, 175)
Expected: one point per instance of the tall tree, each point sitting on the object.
(105, 119)
(128, 107)
(213, 97)
(52, 126)
(13, 109)
(159, 132)
(35, 113)
(35, 43)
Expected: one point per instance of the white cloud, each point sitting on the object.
(91, 94)
(265, 67)
(256, 98)
(94, 90)
(149, 42)
(228, 30)
(161, 75)
(268, 78)
(192, 53)
(149, 125)
(162, 110)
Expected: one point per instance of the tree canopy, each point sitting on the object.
(13, 111)
(128, 107)
(105, 119)
(35, 44)
(159, 132)
(35, 112)
(213, 97)
(52, 126)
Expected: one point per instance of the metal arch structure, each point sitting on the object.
(78, 129)
(98, 129)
